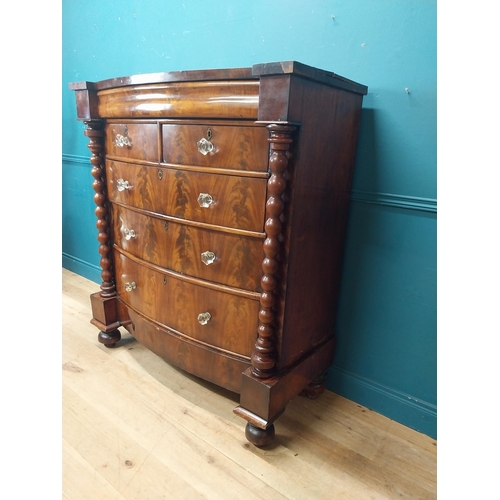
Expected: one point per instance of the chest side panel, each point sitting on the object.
(321, 193)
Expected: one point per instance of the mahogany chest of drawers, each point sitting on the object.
(221, 201)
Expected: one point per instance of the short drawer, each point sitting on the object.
(220, 146)
(135, 141)
(216, 256)
(225, 200)
(216, 318)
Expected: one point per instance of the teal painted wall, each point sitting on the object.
(386, 357)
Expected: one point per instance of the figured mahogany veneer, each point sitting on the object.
(236, 258)
(221, 203)
(238, 202)
(175, 302)
(203, 99)
(143, 138)
(240, 148)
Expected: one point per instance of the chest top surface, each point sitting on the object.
(263, 92)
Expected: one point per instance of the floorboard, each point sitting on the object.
(135, 427)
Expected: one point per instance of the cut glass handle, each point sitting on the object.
(205, 200)
(205, 146)
(122, 140)
(129, 233)
(204, 318)
(122, 185)
(208, 258)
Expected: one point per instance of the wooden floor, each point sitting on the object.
(136, 428)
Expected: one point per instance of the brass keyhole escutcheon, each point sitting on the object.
(164, 280)
(166, 225)
(160, 174)
(209, 133)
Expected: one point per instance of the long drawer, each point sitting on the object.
(218, 367)
(218, 318)
(211, 255)
(225, 200)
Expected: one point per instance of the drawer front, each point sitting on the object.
(225, 99)
(216, 367)
(135, 141)
(231, 201)
(231, 321)
(215, 256)
(221, 146)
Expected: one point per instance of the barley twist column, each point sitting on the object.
(263, 357)
(95, 133)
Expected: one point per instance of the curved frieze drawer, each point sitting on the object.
(207, 99)
(221, 146)
(134, 141)
(224, 200)
(213, 317)
(224, 258)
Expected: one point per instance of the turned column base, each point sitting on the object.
(106, 317)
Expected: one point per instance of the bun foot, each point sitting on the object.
(315, 389)
(109, 339)
(259, 437)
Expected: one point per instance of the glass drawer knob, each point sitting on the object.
(122, 140)
(205, 146)
(205, 200)
(130, 286)
(204, 318)
(122, 185)
(129, 233)
(208, 258)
